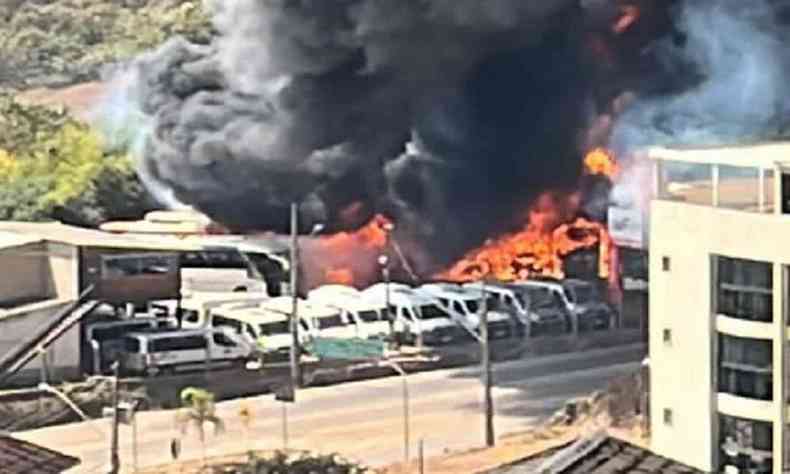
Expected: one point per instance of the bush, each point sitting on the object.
(282, 463)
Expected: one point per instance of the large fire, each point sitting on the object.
(345, 250)
(552, 232)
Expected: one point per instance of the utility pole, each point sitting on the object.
(115, 461)
(296, 375)
(385, 273)
(486, 368)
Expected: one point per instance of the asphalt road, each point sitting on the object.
(364, 420)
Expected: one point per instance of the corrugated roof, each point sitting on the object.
(17, 457)
(12, 239)
(606, 455)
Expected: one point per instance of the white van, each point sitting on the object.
(268, 331)
(316, 319)
(370, 318)
(463, 304)
(418, 317)
(195, 306)
(535, 314)
(168, 352)
(579, 299)
(106, 338)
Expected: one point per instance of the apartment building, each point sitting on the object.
(719, 261)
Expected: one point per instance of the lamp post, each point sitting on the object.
(385, 272)
(486, 366)
(296, 372)
(384, 261)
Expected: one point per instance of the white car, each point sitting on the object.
(464, 305)
(418, 317)
(369, 318)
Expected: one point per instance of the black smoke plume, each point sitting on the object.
(449, 116)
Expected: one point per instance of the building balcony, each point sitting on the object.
(741, 178)
(748, 408)
(745, 328)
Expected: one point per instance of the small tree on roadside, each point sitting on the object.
(197, 410)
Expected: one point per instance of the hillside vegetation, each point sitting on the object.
(52, 166)
(54, 43)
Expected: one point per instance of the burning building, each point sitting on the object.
(493, 135)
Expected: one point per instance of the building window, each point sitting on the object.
(665, 263)
(744, 289)
(667, 336)
(125, 266)
(668, 416)
(745, 367)
(746, 445)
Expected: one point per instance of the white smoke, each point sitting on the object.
(739, 63)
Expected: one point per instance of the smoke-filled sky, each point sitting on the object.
(450, 116)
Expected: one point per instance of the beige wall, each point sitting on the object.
(40, 271)
(63, 356)
(64, 266)
(680, 300)
(26, 273)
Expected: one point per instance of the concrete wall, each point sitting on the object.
(27, 274)
(64, 266)
(63, 356)
(46, 272)
(680, 300)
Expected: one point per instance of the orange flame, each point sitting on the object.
(341, 276)
(601, 161)
(630, 14)
(538, 249)
(341, 250)
(551, 234)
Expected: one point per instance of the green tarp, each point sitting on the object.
(348, 349)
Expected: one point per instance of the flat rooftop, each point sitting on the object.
(755, 155)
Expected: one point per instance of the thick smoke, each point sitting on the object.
(449, 116)
(729, 67)
(734, 61)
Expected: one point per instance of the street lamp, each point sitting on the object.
(385, 272)
(296, 375)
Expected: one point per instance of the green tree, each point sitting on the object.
(69, 176)
(197, 410)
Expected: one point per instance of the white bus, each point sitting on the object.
(150, 353)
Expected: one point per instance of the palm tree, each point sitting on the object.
(198, 409)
